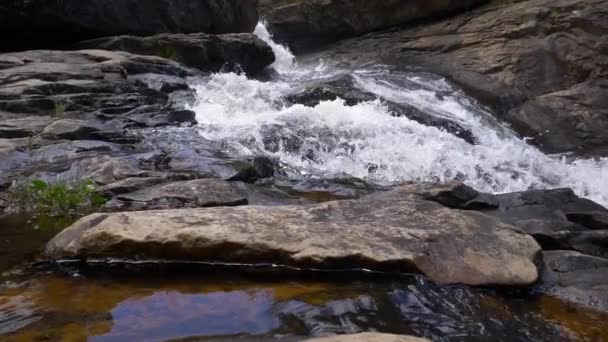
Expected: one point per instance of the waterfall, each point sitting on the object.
(332, 139)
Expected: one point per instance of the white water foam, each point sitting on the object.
(332, 139)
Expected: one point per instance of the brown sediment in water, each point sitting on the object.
(578, 322)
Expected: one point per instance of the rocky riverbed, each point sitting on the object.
(408, 147)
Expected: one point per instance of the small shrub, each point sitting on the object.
(58, 198)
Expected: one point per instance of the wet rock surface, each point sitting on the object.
(577, 277)
(304, 24)
(50, 24)
(66, 115)
(409, 234)
(538, 63)
(206, 52)
(570, 230)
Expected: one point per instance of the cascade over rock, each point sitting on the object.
(305, 23)
(540, 64)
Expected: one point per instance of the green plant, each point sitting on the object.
(59, 108)
(167, 52)
(57, 198)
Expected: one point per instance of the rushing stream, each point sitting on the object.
(333, 139)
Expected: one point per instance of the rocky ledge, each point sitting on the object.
(37, 24)
(305, 24)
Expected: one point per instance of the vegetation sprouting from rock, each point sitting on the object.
(57, 198)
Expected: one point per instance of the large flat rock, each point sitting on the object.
(406, 234)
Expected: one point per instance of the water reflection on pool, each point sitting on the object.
(58, 307)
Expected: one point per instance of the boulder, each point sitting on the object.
(577, 277)
(35, 24)
(537, 63)
(304, 23)
(255, 169)
(369, 337)
(206, 52)
(405, 235)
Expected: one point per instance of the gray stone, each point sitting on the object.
(23, 127)
(202, 51)
(577, 277)
(186, 194)
(71, 129)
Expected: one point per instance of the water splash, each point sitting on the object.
(332, 139)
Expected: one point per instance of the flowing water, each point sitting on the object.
(332, 139)
(326, 140)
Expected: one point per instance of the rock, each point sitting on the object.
(13, 153)
(557, 219)
(150, 116)
(323, 190)
(535, 62)
(306, 23)
(453, 195)
(134, 184)
(594, 242)
(590, 219)
(547, 205)
(106, 169)
(23, 127)
(369, 337)
(577, 277)
(71, 129)
(198, 193)
(73, 109)
(60, 155)
(39, 24)
(255, 169)
(73, 84)
(202, 51)
(408, 235)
